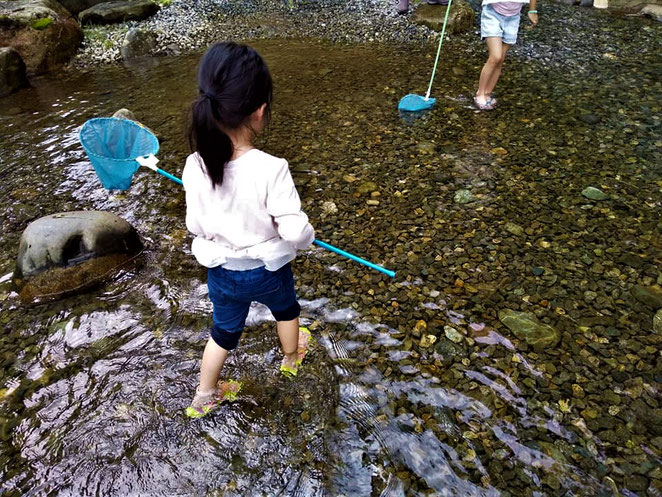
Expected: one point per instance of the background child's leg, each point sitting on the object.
(497, 72)
(288, 332)
(492, 68)
(212, 362)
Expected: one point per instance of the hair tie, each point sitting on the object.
(207, 96)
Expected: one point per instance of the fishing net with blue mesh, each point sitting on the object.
(112, 146)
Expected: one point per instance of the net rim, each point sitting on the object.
(90, 122)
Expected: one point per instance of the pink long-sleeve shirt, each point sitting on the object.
(255, 214)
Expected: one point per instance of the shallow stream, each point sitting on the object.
(414, 386)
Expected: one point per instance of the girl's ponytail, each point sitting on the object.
(233, 82)
(206, 136)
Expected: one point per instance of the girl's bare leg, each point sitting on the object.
(212, 362)
(288, 332)
(492, 68)
(495, 75)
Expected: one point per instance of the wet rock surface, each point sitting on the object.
(68, 238)
(12, 72)
(71, 251)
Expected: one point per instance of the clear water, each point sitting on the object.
(94, 386)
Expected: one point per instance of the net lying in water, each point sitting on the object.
(414, 103)
(112, 146)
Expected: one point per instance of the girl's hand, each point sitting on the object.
(534, 19)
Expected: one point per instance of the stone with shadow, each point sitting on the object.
(70, 252)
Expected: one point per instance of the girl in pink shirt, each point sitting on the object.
(499, 23)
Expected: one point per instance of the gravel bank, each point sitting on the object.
(189, 25)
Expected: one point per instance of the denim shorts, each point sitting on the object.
(494, 24)
(232, 292)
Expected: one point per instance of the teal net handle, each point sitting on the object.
(150, 162)
(436, 61)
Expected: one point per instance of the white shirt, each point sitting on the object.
(254, 214)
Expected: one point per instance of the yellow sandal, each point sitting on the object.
(305, 340)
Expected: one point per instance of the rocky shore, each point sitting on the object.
(187, 25)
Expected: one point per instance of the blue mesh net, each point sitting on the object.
(414, 103)
(112, 146)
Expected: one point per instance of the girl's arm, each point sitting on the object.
(284, 205)
(533, 13)
(193, 207)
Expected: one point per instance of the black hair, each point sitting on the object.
(233, 82)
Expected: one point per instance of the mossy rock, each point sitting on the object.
(42, 31)
(41, 23)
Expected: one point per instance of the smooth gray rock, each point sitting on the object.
(526, 326)
(460, 18)
(69, 238)
(138, 43)
(75, 7)
(41, 31)
(112, 12)
(125, 114)
(12, 71)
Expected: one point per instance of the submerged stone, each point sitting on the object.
(69, 251)
(593, 193)
(452, 334)
(657, 322)
(514, 229)
(526, 326)
(649, 295)
(464, 197)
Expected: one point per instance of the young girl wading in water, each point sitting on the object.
(499, 23)
(243, 208)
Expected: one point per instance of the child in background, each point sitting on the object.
(244, 210)
(499, 23)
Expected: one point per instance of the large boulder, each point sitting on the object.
(651, 10)
(12, 71)
(70, 251)
(138, 43)
(121, 11)
(41, 31)
(75, 7)
(526, 326)
(460, 18)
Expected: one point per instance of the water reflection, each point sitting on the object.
(93, 387)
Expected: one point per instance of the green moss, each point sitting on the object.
(108, 44)
(42, 23)
(163, 3)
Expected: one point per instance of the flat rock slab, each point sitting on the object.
(70, 251)
(460, 18)
(526, 326)
(112, 12)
